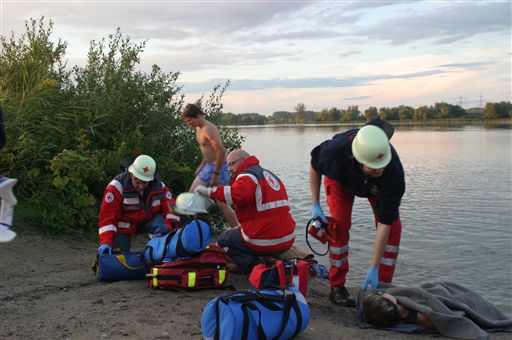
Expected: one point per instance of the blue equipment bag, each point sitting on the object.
(256, 314)
(120, 266)
(183, 242)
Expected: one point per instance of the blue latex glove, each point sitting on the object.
(372, 278)
(105, 249)
(317, 213)
(320, 270)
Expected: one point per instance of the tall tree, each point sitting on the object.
(371, 113)
(300, 113)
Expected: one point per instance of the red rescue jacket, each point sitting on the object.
(261, 205)
(123, 209)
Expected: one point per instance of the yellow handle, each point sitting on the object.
(122, 259)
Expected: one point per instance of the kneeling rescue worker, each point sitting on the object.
(135, 197)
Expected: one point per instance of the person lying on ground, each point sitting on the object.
(452, 310)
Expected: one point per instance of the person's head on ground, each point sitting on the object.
(192, 115)
(372, 150)
(380, 309)
(142, 172)
(235, 158)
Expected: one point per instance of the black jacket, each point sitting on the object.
(333, 158)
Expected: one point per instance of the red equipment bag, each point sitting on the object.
(205, 270)
(281, 273)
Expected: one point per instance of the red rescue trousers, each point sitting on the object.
(340, 202)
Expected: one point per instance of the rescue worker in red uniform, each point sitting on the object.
(134, 197)
(361, 163)
(261, 205)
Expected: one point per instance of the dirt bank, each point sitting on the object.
(48, 291)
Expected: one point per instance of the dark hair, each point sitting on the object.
(192, 111)
(379, 311)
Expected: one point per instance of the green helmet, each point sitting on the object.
(143, 167)
(371, 147)
(189, 203)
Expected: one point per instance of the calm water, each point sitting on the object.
(456, 212)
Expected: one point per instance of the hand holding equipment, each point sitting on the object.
(317, 213)
(203, 191)
(104, 249)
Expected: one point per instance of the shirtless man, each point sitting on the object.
(213, 169)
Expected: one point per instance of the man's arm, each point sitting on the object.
(315, 179)
(241, 192)
(381, 239)
(110, 214)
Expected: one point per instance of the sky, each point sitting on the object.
(324, 54)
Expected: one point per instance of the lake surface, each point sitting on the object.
(456, 211)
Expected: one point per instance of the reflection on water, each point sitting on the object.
(456, 210)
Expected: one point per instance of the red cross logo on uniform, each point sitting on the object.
(380, 155)
(146, 169)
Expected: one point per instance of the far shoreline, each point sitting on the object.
(428, 123)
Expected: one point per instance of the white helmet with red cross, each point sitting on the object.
(143, 167)
(371, 147)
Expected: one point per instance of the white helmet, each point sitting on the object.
(189, 203)
(143, 167)
(371, 147)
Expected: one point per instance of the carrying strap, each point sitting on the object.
(288, 299)
(245, 325)
(168, 238)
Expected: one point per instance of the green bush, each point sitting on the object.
(67, 131)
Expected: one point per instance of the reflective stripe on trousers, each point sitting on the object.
(340, 202)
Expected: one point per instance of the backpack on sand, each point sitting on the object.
(257, 314)
(281, 273)
(120, 266)
(205, 270)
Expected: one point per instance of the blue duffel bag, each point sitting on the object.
(120, 266)
(181, 243)
(256, 314)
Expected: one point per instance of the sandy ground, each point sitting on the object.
(48, 291)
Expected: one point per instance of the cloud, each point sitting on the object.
(159, 19)
(296, 35)
(259, 84)
(197, 58)
(444, 24)
(349, 53)
(473, 65)
(357, 98)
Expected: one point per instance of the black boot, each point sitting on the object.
(341, 297)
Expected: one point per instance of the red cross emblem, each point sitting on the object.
(146, 169)
(380, 155)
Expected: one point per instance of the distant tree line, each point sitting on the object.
(301, 115)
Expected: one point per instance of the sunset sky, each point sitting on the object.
(320, 53)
